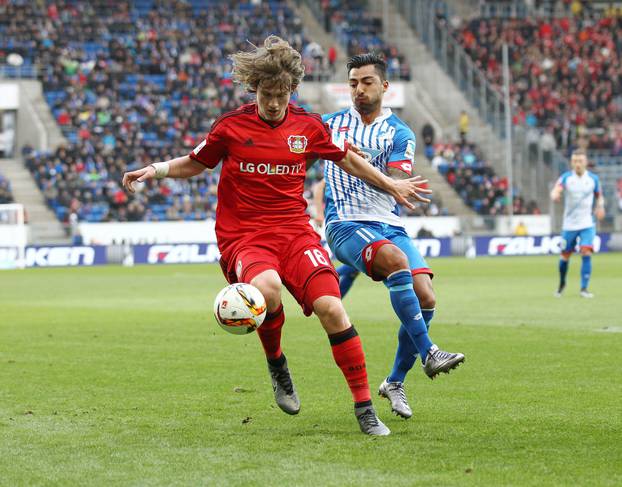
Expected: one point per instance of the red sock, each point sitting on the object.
(349, 356)
(270, 333)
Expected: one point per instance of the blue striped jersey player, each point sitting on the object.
(364, 230)
(582, 201)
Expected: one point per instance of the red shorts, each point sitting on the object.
(296, 255)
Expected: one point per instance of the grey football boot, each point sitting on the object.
(439, 361)
(394, 392)
(283, 387)
(369, 422)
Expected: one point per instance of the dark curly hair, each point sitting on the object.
(366, 59)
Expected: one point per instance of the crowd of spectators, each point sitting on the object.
(566, 72)
(6, 195)
(360, 31)
(131, 83)
(466, 170)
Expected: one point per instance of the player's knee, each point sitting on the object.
(427, 299)
(390, 259)
(586, 251)
(424, 291)
(331, 313)
(270, 287)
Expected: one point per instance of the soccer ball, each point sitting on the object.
(240, 308)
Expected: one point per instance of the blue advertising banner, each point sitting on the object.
(65, 256)
(205, 253)
(433, 247)
(193, 253)
(546, 245)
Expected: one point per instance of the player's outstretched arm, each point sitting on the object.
(400, 190)
(180, 167)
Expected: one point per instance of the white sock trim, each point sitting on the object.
(397, 272)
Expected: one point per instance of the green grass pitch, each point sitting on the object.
(120, 376)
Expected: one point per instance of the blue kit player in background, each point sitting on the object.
(581, 189)
(364, 230)
(347, 273)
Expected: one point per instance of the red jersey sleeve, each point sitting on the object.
(326, 146)
(213, 149)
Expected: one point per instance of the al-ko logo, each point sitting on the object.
(529, 245)
(183, 254)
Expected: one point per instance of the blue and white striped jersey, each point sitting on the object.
(579, 193)
(386, 140)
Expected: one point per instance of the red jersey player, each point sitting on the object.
(262, 229)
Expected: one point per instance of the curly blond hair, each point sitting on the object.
(276, 63)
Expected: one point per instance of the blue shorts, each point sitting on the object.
(356, 244)
(585, 237)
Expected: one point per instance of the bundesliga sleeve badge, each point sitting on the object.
(297, 143)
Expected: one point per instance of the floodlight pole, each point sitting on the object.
(508, 131)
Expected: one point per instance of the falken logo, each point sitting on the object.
(297, 143)
(183, 254)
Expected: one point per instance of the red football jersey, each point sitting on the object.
(264, 165)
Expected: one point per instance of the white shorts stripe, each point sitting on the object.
(368, 232)
(360, 233)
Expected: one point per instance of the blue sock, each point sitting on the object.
(428, 314)
(563, 270)
(406, 306)
(406, 354)
(586, 271)
(347, 274)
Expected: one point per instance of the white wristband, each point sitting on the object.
(161, 169)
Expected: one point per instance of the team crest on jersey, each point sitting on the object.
(297, 143)
(370, 154)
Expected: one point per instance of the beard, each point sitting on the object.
(366, 107)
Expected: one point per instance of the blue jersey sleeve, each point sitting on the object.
(327, 116)
(403, 155)
(597, 188)
(404, 145)
(562, 179)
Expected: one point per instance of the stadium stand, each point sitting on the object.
(609, 170)
(139, 85)
(359, 31)
(567, 75)
(147, 82)
(6, 195)
(464, 167)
